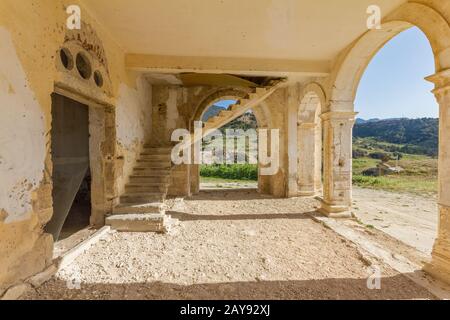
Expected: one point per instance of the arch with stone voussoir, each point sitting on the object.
(261, 113)
(309, 138)
(339, 115)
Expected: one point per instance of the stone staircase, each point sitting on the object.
(234, 111)
(141, 207)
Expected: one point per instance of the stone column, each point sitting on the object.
(440, 263)
(291, 140)
(337, 175)
(309, 158)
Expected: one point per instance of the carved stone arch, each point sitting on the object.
(82, 66)
(354, 61)
(312, 101)
(215, 96)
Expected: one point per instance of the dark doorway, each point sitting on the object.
(71, 176)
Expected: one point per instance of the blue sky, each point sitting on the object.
(393, 85)
(224, 103)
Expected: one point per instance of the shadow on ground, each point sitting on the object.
(396, 287)
(230, 194)
(182, 216)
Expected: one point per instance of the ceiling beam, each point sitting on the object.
(244, 66)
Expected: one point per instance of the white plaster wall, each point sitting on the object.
(133, 113)
(22, 135)
(133, 125)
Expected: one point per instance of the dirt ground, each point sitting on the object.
(229, 245)
(412, 219)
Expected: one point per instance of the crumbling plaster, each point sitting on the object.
(31, 33)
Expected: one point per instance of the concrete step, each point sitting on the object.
(148, 179)
(157, 150)
(155, 157)
(135, 222)
(151, 172)
(144, 188)
(142, 197)
(144, 163)
(140, 207)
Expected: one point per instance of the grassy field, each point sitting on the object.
(419, 175)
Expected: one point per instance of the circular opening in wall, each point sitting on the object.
(83, 66)
(98, 78)
(66, 58)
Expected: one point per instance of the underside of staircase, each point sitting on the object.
(141, 207)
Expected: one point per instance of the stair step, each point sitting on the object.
(148, 179)
(260, 91)
(142, 197)
(148, 184)
(151, 222)
(141, 207)
(153, 163)
(150, 172)
(225, 113)
(161, 187)
(242, 102)
(234, 107)
(155, 157)
(157, 150)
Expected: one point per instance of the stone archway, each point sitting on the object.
(339, 115)
(261, 115)
(309, 131)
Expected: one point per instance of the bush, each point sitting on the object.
(230, 171)
(358, 153)
(380, 156)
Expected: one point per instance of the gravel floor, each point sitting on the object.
(228, 245)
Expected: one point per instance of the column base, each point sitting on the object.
(335, 211)
(439, 267)
(307, 193)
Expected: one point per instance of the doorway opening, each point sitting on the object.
(395, 142)
(71, 170)
(233, 148)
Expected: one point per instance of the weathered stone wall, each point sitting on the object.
(31, 34)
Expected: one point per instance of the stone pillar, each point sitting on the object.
(440, 263)
(291, 141)
(337, 175)
(309, 158)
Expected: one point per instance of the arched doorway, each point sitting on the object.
(339, 117)
(312, 99)
(256, 119)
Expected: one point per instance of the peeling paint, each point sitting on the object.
(22, 134)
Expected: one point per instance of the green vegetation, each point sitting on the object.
(410, 144)
(419, 173)
(232, 171)
(412, 136)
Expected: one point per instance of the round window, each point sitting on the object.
(83, 66)
(98, 78)
(66, 58)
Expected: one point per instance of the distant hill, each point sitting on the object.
(211, 112)
(245, 122)
(419, 136)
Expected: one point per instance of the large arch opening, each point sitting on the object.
(340, 113)
(229, 153)
(395, 142)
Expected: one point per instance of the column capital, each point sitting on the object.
(339, 116)
(441, 81)
(341, 106)
(307, 125)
